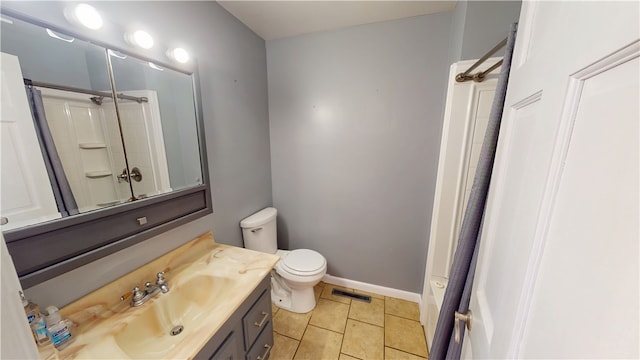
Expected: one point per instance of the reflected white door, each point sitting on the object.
(558, 273)
(144, 141)
(26, 196)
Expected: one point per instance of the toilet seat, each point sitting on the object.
(303, 262)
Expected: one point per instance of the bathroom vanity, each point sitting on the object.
(249, 331)
(218, 307)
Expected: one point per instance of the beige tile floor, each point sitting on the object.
(340, 328)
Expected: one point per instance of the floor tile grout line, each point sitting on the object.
(287, 336)
(402, 317)
(408, 352)
(302, 337)
(344, 332)
(321, 328)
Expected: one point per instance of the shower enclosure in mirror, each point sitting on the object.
(94, 141)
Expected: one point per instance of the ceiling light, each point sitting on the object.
(85, 15)
(140, 38)
(179, 54)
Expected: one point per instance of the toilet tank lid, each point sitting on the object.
(260, 218)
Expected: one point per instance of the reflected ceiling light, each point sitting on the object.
(140, 38)
(154, 66)
(64, 38)
(6, 20)
(179, 54)
(116, 54)
(85, 15)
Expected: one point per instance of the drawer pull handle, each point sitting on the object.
(266, 352)
(265, 316)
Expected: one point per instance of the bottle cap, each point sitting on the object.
(52, 315)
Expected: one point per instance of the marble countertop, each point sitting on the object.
(208, 282)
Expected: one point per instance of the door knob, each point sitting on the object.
(135, 175)
(456, 326)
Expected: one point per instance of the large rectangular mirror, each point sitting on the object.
(102, 144)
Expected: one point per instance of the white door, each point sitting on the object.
(144, 140)
(557, 273)
(26, 196)
(16, 341)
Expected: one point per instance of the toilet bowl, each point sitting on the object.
(294, 276)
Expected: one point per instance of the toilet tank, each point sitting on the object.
(259, 231)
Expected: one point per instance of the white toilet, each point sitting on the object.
(297, 271)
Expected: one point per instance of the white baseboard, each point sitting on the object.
(376, 289)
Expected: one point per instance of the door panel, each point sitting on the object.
(590, 264)
(559, 253)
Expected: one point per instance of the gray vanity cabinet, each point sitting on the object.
(248, 333)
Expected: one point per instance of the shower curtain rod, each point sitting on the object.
(479, 76)
(85, 91)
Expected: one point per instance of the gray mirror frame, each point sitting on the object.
(43, 251)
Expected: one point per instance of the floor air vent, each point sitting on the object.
(365, 298)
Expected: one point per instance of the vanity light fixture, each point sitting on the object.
(85, 15)
(179, 54)
(139, 38)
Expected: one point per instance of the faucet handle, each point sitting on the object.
(160, 278)
(137, 294)
(161, 282)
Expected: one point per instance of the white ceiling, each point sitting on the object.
(278, 19)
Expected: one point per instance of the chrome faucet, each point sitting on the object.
(139, 297)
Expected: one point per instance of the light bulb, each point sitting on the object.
(87, 16)
(140, 38)
(179, 54)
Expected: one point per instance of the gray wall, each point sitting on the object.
(479, 25)
(232, 66)
(457, 31)
(355, 118)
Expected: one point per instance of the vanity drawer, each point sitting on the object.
(261, 350)
(256, 319)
